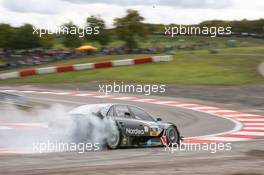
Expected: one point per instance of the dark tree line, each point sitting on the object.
(244, 26)
(129, 28)
(18, 38)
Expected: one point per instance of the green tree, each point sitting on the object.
(47, 41)
(97, 23)
(71, 37)
(129, 28)
(6, 31)
(23, 38)
(242, 26)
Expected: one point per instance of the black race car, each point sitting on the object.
(133, 125)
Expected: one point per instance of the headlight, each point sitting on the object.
(154, 129)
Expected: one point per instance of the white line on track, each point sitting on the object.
(204, 108)
(249, 133)
(224, 139)
(241, 115)
(251, 119)
(223, 110)
(62, 93)
(254, 128)
(82, 95)
(253, 124)
(121, 98)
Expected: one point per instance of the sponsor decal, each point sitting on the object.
(154, 133)
(124, 141)
(164, 140)
(135, 131)
(146, 128)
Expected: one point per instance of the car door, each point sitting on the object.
(150, 126)
(127, 122)
(117, 113)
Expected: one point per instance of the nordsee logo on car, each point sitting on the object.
(134, 131)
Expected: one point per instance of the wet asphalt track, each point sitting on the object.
(245, 157)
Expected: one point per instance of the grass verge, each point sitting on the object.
(192, 68)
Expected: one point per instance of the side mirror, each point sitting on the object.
(127, 114)
(99, 114)
(159, 119)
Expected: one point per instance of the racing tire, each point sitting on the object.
(172, 136)
(113, 141)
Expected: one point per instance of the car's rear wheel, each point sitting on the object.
(113, 141)
(172, 135)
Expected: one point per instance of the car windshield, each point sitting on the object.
(140, 114)
(147, 118)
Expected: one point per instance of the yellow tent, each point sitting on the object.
(86, 48)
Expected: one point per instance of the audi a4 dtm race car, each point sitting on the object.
(133, 125)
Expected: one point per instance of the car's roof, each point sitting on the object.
(88, 109)
(94, 108)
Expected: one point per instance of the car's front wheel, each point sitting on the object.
(172, 135)
(113, 141)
